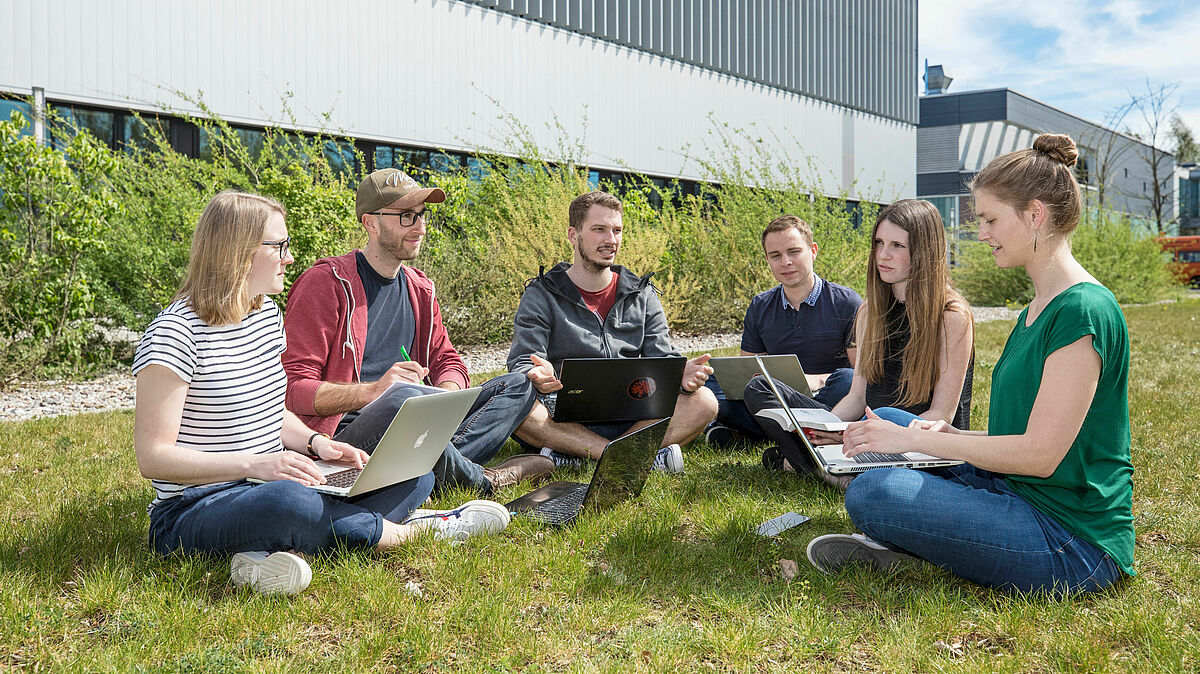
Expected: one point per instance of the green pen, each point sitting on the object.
(404, 353)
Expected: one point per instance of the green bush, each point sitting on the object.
(130, 216)
(57, 210)
(1121, 254)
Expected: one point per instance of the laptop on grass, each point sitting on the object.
(619, 477)
(829, 458)
(597, 390)
(412, 444)
(734, 372)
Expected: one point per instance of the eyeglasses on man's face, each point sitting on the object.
(282, 245)
(407, 218)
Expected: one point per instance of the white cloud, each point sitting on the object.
(1082, 57)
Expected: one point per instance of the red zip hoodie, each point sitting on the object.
(326, 329)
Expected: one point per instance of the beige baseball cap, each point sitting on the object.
(385, 186)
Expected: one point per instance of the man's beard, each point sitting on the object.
(592, 265)
(394, 244)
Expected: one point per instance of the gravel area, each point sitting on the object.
(115, 391)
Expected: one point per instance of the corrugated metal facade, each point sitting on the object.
(834, 50)
(442, 73)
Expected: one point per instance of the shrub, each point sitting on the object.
(1121, 254)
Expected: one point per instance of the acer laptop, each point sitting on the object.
(734, 372)
(598, 390)
(830, 459)
(412, 444)
(619, 477)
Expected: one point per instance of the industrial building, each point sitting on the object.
(636, 86)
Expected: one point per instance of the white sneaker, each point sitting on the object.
(833, 551)
(270, 573)
(469, 519)
(562, 460)
(669, 459)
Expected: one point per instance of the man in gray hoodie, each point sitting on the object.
(592, 308)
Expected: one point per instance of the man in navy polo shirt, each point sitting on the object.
(805, 315)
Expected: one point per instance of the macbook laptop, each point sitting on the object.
(619, 477)
(598, 390)
(830, 459)
(413, 442)
(734, 372)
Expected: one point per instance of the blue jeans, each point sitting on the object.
(280, 515)
(502, 405)
(735, 414)
(969, 522)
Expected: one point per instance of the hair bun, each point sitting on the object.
(1057, 147)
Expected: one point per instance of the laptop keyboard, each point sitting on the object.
(876, 457)
(342, 478)
(562, 508)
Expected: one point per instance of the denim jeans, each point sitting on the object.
(280, 515)
(502, 405)
(969, 522)
(736, 415)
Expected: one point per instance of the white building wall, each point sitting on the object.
(426, 72)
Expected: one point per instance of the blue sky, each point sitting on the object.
(1083, 57)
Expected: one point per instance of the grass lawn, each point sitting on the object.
(675, 581)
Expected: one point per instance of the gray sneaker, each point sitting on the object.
(562, 460)
(270, 573)
(833, 551)
(669, 459)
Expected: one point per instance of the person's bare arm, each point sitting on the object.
(158, 412)
(1070, 376)
(958, 339)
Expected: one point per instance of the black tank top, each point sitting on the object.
(886, 392)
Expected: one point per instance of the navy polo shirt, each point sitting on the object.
(819, 331)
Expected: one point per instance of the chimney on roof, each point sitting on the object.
(936, 80)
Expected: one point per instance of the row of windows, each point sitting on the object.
(122, 130)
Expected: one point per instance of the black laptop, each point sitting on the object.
(597, 390)
(620, 476)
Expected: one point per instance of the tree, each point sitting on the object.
(1155, 107)
(1187, 150)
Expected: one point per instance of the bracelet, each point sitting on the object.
(684, 391)
(309, 448)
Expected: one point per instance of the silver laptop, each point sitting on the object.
(734, 372)
(413, 442)
(830, 459)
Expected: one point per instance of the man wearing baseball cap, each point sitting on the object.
(358, 323)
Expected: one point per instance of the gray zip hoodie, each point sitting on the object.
(553, 322)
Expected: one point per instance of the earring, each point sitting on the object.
(1035, 238)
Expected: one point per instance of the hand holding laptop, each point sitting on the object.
(339, 452)
(873, 434)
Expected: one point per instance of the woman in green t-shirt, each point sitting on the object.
(1043, 501)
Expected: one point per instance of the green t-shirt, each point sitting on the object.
(1091, 491)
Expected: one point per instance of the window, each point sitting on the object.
(71, 120)
(140, 132)
(8, 106)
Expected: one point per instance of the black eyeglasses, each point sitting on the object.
(281, 245)
(407, 218)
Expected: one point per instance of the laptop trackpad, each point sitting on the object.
(537, 496)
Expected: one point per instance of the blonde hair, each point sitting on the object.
(1042, 172)
(929, 293)
(227, 236)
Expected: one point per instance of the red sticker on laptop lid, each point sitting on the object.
(642, 388)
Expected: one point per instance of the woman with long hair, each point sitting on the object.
(914, 333)
(1043, 502)
(209, 415)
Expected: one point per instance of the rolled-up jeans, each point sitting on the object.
(736, 415)
(502, 405)
(281, 515)
(971, 523)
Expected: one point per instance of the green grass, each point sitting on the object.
(674, 581)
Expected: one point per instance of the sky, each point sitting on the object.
(1084, 57)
